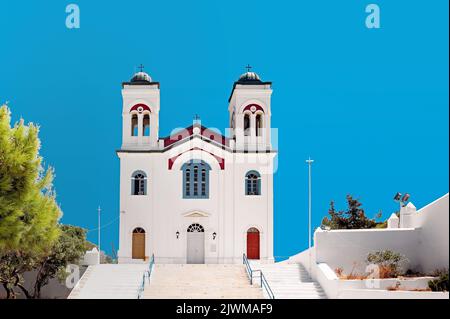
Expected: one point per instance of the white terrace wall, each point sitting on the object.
(425, 244)
(433, 223)
(348, 249)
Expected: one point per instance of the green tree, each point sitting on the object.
(68, 249)
(29, 213)
(13, 264)
(28, 209)
(352, 218)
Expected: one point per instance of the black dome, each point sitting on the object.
(250, 77)
(141, 77)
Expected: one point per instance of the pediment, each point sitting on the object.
(196, 213)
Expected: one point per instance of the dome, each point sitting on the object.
(141, 77)
(249, 77)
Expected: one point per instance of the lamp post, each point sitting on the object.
(99, 251)
(309, 161)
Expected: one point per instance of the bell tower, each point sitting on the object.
(140, 113)
(249, 108)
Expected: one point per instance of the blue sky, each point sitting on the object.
(369, 106)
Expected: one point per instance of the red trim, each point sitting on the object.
(189, 131)
(145, 107)
(258, 108)
(220, 160)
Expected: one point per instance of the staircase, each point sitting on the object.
(110, 281)
(290, 281)
(211, 281)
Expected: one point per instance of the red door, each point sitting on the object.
(253, 244)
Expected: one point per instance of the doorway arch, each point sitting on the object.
(253, 243)
(195, 244)
(138, 243)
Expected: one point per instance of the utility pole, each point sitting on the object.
(309, 161)
(99, 249)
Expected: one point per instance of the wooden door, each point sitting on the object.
(253, 244)
(138, 251)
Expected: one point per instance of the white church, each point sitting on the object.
(196, 196)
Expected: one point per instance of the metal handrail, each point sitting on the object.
(150, 267)
(264, 283)
(141, 286)
(147, 274)
(248, 268)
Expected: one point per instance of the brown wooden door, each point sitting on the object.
(253, 245)
(138, 246)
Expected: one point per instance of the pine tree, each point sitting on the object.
(29, 213)
(353, 218)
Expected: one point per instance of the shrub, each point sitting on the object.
(441, 283)
(389, 263)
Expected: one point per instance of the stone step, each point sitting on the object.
(212, 281)
(290, 281)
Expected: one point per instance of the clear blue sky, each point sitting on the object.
(369, 106)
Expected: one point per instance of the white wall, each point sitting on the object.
(426, 245)
(433, 222)
(344, 248)
(53, 290)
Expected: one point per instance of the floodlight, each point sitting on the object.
(397, 197)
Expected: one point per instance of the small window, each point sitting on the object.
(146, 125)
(134, 125)
(139, 183)
(252, 183)
(259, 125)
(196, 179)
(246, 124)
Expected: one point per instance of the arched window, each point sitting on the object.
(246, 124)
(252, 183)
(196, 179)
(196, 228)
(259, 124)
(146, 125)
(139, 183)
(134, 125)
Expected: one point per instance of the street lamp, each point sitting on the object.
(99, 250)
(309, 161)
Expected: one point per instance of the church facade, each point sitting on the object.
(196, 196)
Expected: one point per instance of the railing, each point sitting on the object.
(150, 267)
(248, 268)
(147, 274)
(265, 285)
(263, 281)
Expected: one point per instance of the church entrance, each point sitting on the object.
(253, 243)
(138, 248)
(195, 244)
